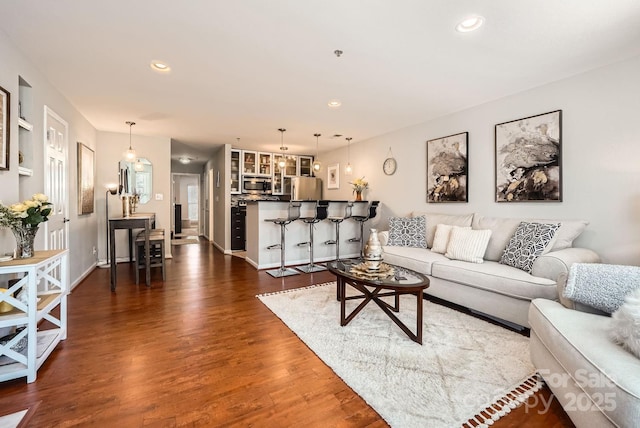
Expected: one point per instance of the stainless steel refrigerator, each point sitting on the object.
(306, 188)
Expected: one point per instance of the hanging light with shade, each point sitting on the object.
(130, 155)
(348, 170)
(283, 149)
(316, 163)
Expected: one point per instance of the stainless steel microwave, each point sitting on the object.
(256, 185)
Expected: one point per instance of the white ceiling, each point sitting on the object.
(243, 68)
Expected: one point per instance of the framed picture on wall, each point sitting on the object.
(333, 176)
(5, 104)
(85, 179)
(528, 159)
(448, 168)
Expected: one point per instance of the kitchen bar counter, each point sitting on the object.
(261, 233)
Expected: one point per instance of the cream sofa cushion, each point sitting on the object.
(492, 276)
(418, 259)
(504, 228)
(434, 219)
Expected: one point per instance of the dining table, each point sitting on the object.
(133, 221)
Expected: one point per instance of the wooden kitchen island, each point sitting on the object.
(260, 234)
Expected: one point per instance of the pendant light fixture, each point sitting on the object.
(283, 149)
(348, 170)
(130, 155)
(316, 163)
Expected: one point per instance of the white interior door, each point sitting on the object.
(56, 131)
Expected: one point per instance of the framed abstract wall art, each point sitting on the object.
(528, 159)
(333, 176)
(448, 168)
(85, 179)
(5, 103)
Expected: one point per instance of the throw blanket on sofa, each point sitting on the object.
(601, 286)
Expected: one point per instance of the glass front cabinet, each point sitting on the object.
(265, 164)
(249, 164)
(235, 171)
(277, 187)
(305, 166)
(291, 166)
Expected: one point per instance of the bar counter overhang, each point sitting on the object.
(260, 234)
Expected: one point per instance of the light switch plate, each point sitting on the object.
(159, 196)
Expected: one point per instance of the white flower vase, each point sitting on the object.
(373, 252)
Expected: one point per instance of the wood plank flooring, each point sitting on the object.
(198, 350)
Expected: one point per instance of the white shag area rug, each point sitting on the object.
(466, 370)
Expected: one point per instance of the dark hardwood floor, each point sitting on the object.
(196, 350)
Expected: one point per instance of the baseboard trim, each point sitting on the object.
(83, 276)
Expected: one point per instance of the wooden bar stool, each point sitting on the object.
(337, 220)
(156, 252)
(293, 213)
(322, 211)
(370, 213)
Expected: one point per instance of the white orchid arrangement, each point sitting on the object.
(28, 213)
(359, 184)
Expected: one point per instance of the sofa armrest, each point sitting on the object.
(552, 264)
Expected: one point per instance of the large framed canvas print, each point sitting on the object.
(85, 179)
(448, 168)
(5, 104)
(529, 159)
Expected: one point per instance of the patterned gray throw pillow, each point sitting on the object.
(408, 232)
(527, 244)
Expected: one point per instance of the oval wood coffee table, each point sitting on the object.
(403, 281)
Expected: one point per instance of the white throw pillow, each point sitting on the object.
(434, 219)
(441, 237)
(625, 324)
(467, 245)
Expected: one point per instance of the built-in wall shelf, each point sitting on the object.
(25, 171)
(22, 123)
(25, 134)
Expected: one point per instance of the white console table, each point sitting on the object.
(46, 280)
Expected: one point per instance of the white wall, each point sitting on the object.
(82, 229)
(157, 150)
(600, 159)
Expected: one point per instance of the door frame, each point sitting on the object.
(173, 202)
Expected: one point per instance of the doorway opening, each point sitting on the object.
(186, 219)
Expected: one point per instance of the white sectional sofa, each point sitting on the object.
(596, 381)
(495, 289)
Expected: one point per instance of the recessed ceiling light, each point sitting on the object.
(469, 24)
(334, 103)
(160, 66)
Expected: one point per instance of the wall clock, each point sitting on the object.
(389, 165)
